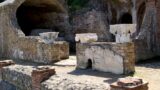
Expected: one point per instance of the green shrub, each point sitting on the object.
(77, 4)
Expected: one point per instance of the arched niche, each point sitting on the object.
(35, 17)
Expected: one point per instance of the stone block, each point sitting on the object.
(32, 49)
(39, 75)
(129, 83)
(19, 76)
(4, 64)
(26, 77)
(123, 32)
(86, 37)
(49, 37)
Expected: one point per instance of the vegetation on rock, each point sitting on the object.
(77, 4)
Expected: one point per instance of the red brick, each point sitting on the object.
(39, 75)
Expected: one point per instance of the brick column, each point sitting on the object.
(39, 75)
(4, 64)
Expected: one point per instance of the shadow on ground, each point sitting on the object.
(150, 63)
(110, 77)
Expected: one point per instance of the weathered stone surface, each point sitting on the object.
(26, 77)
(129, 83)
(33, 49)
(16, 45)
(91, 22)
(19, 76)
(143, 51)
(62, 82)
(86, 37)
(49, 37)
(107, 57)
(4, 64)
(7, 86)
(39, 75)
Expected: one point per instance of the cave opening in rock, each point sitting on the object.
(89, 64)
(35, 18)
(126, 19)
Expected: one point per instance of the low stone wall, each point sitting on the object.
(32, 49)
(107, 57)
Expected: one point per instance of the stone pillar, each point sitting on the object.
(39, 75)
(4, 64)
(129, 83)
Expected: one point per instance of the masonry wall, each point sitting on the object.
(107, 57)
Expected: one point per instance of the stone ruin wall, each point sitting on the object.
(123, 54)
(15, 45)
(95, 20)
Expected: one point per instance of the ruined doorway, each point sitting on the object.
(35, 18)
(126, 18)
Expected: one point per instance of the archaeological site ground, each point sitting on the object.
(79, 44)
